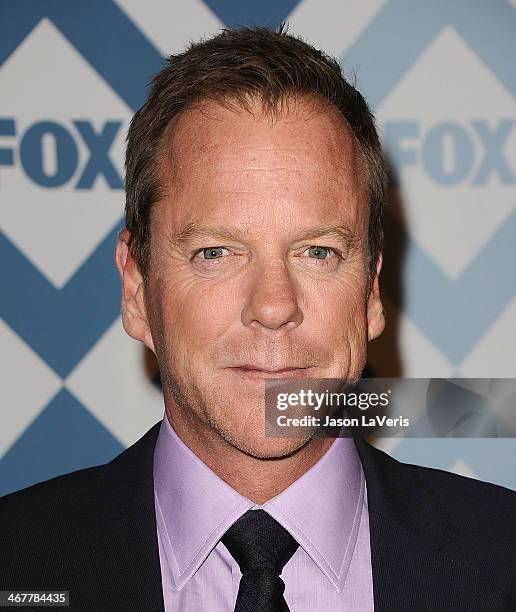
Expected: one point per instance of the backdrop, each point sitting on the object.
(440, 77)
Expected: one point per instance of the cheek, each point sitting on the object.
(343, 329)
(338, 308)
(195, 314)
(341, 326)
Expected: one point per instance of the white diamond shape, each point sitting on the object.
(332, 26)
(112, 382)
(57, 228)
(493, 355)
(27, 385)
(171, 25)
(449, 82)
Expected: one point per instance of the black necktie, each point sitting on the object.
(261, 547)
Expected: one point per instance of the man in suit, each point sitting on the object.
(252, 249)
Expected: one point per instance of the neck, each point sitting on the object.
(258, 479)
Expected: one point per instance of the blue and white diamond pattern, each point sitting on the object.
(442, 83)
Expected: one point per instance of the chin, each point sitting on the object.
(269, 448)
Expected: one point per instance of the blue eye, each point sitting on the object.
(318, 250)
(212, 252)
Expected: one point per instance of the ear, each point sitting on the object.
(134, 315)
(375, 310)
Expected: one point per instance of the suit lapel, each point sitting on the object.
(118, 567)
(416, 557)
(134, 523)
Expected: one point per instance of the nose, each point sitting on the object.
(272, 301)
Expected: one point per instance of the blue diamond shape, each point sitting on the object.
(267, 13)
(63, 438)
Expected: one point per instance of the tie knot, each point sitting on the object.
(258, 541)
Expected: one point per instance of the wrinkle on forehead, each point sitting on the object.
(204, 138)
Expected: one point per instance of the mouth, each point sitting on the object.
(254, 373)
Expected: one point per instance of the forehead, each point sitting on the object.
(214, 157)
(209, 128)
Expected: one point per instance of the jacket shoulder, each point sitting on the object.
(51, 497)
(483, 515)
(471, 498)
(82, 489)
(45, 526)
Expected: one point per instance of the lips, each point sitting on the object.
(268, 371)
(255, 372)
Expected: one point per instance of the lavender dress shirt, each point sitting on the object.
(325, 510)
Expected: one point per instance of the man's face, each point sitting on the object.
(258, 259)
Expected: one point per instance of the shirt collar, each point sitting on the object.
(195, 507)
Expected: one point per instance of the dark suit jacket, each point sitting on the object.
(438, 541)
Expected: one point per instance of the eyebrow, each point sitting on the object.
(193, 231)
